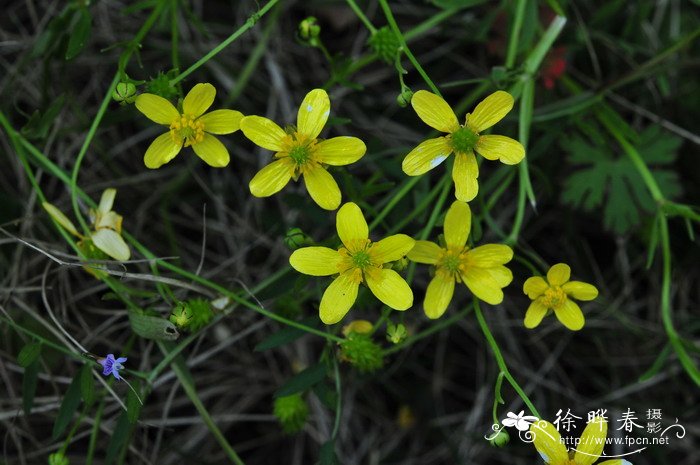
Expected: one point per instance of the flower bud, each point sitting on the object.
(296, 238)
(181, 315)
(124, 93)
(357, 326)
(404, 98)
(500, 439)
(309, 30)
(396, 333)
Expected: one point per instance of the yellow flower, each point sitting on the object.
(556, 293)
(300, 152)
(357, 260)
(462, 140)
(481, 268)
(106, 225)
(548, 443)
(191, 127)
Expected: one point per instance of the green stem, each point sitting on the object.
(515, 33)
(361, 16)
(499, 359)
(395, 27)
(216, 50)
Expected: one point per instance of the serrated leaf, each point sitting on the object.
(302, 381)
(71, 401)
(284, 336)
(152, 327)
(29, 382)
(87, 385)
(29, 354)
(610, 181)
(79, 34)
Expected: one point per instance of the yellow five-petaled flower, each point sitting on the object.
(462, 140)
(299, 152)
(548, 443)
(358, 260)
(191, 127)
(481, 268)
(556, 294)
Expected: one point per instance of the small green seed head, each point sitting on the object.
(160, 85)
(57, 458)
(385, 44)
(361, 352)
(292, 412)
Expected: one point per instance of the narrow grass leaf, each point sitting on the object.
(118, 438)
(29, 381)
(302, 381)
(70, 404)
(29, 354)
(80, 34)
(87, 385)
(284, 336)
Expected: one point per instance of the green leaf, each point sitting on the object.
(87, 385)
(29, 381)
(327, 453)
(38, 125)
(29, 354)
(70, 404)
(607, 180)
(118, 438)
(302, 381)
(133, 407)
(79, 34)
(152, 327)
(284, 336)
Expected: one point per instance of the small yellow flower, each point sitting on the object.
(481, 268)
(548, 443)
(191, 127)
(301, 153)
(106, 227)
(556, 293)
(462, 140)
(358, 260)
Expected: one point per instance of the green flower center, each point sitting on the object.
(464, 140)
(300, 154)
(554, 297)
(187, 128)
(361, 259)
(453, 261)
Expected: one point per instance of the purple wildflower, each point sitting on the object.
(112, 365)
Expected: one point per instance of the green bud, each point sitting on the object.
(125, 92)
(396, 333)
(181, 315)
(385, 44)
(500, 439)
(57, 458)
(361, 352)
(296, 238)
(309, 30)
(400, 264)
(404, 98)
(292, 412)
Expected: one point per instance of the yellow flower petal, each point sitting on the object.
(221, 121)
(547, 441)
(60, 218)
(263, 132)
(391, 248)
(313, 113)
(490, 111)
(338, 298)
(389, 287)
(107, 200)
(535, 286)
(502, 275)
(322, 187)
(434, 111)
(111, 243)
(592, 442)
(489, 255)
(579, 290)
(482, 285)
(357, 326)
(503, 148)
(570, 315)
(212, 151)
(271, 179)
(110, 220)
(339, 151)
(558, 274)
(464, 174)
(161, 151)
(458, 223)
(156, 108)
(351, 225)
(426, 156)
(438, 296)
(425, 252)
(535, 312)
(198, 100)
(315, 261)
